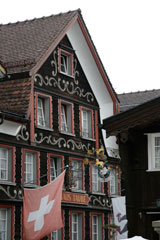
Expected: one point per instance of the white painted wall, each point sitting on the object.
(93, 75)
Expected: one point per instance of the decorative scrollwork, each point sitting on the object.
(61, 142)
(63, 85)
(23, 135)
(102, 201)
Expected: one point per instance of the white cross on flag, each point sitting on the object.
(42, 209)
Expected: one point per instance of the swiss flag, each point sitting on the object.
(42, 209)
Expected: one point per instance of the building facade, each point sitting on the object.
(53, 90)
(137, 130)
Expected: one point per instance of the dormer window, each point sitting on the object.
(65, 62)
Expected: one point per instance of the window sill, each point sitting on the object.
(7, 183)
(90, 139)
(114, 195)
(44, 128)
(66, 74)
(153, 170)
(98, 193)
(78, 191)
(67, 133)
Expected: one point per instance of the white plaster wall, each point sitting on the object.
(93, 75)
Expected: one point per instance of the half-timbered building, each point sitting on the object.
(53, 93)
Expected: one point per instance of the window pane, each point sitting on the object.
(64, 126)
(28, 172)
(41, 117)
(77, 174)
(3, 164)
(3, 224)
(53, 168)
(157, 152)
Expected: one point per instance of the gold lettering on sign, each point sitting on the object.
(75, 198)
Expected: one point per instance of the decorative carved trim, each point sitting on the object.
(102, 201)
(17, 193)
(63, 85)
(61, 142)
(23, 135)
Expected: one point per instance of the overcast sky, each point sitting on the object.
(126, 34)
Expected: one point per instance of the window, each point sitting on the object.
(6, 223)
(97, 223)
(86, 123)
(65, 62)
(44, 110)
(114, 181)
(77, 228)
(66, 117)
(154, 152)
(55, 165)
(30, 167)
(56, 235)
(96, 184)
(77, 174)
(6, 163)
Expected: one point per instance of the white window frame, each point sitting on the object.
(33, 172)
(96, 184)
(77, 226)
(97, 227)
(53, 173)
(29, 163)
(4, 168)
(114, 181)
(87, 123)
(151, 151)
(66, 115)
(65, 62)
(64, 127)
(41, 116)
(77, 172)
(8, 223)
(9, 166)
(43, 110)
(56, 235)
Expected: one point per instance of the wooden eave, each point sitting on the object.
(141, 115)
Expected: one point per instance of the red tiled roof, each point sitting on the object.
(133, 99)
(22, 44)
(15, 96)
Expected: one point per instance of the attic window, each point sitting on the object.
(65, 62)
(2, 71)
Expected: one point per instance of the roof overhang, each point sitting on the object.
(143, 114)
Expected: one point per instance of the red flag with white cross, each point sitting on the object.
(42, 209)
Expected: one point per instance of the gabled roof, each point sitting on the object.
(22, 44)
(24, 47)
(133, 99)
(142, 115)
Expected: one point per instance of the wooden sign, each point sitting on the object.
(77, 198)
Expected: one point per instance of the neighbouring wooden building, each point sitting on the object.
(53, 91)
(137, 128)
